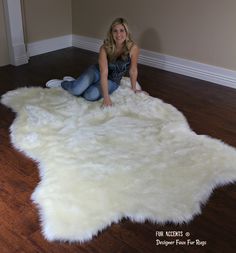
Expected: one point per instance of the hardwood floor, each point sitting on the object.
(210, 109)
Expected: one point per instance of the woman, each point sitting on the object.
(117, 55)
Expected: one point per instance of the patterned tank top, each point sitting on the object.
(118, 68)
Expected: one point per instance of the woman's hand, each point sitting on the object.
(136, 90)
(106, 102)
(139, 91)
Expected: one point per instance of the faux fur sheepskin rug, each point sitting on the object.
(138, 159)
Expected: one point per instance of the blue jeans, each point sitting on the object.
(88, 85)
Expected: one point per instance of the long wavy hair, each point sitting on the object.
(110, 45)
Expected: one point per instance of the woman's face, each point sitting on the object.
(119, 34)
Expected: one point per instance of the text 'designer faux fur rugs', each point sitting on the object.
(138, 159)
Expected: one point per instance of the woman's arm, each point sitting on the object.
(133, 71)
(103, 66)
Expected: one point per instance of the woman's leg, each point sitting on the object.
(79, 85)
(94, 92)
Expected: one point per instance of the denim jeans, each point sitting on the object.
(88, 85)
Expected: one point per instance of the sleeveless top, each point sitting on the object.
(118, 68)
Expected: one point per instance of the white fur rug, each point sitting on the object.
(138, 159)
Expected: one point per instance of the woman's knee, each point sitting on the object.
(93, 73)
(74, 87)
(81, 84)
(92, 94)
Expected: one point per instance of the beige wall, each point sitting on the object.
(4, 55)
(46, 19)
(202, 30)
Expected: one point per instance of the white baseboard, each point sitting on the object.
(20, 60)
(190, 68)
(18, 55)
(49, 45)
(86, 43)
(185, 67)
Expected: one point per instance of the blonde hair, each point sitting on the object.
(109, 43)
